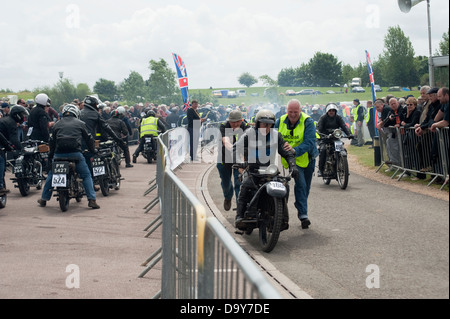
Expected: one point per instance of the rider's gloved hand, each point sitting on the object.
(294, 172)
(351, 137)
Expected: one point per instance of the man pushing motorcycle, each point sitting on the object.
(299, 132)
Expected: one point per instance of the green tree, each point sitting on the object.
(105, 89)
(133, 87)
(82, 91)
(325, 69)
(162, 85)
(287, 77)
(247, 79)
(399, 59)
(443, 45)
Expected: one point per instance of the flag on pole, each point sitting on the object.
(182, 79)
(372, 84)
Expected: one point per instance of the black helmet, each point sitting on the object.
(18, 113)
(151, 113)
(92, 101)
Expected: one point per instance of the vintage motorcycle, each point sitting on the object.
(29, 166)
(336, 165)
(150, 150)
(66, 182)
(3, 196)
(106, 167)
(268, 209)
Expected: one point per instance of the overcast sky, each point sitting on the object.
(218, 40)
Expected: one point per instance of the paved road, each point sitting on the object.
(107, 245)
(368, 229)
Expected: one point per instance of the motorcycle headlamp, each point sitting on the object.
(272, 170)
(337, 133)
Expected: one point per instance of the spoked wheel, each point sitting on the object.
(116, 174)
(104, 186)
(3, 201)
(63, 197)
(24, 187)
(270, 224)
(342, 172)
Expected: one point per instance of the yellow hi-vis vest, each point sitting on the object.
(149, 126)
(294, 139)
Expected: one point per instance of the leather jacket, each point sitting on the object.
(96, 124)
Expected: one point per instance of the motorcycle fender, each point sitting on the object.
(276, 189)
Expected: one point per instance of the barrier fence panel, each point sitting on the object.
(404, 151)
(200, 259)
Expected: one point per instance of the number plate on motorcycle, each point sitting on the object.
(98, 170)
(59, 180)
(18, 169)
(277, 185)
(148, 140)
(60, 168)
(338, 145)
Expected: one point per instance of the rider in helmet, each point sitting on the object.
(67, 137)
(259, 146)
(9, 138)
(96, 124)
(150, 126)
(38, 121)
(327, 124)
(117, 124)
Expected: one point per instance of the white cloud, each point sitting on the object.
(218, 40)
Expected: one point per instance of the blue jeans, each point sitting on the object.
(82, 170)
(302, 188)
(2, 170)
(225, 172)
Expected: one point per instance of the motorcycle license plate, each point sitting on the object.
(59, 180)
(18, 169)
(98, 167)
(338, 145)
(276, 189)
(148, 140)
(60, 168)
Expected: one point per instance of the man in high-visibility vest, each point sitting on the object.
(299, 132)
(150, 126)
(359, 115)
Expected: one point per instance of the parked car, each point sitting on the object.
(241, 92)
(330, 92)
(356, 82)
(377, 88)
(307, 92)
(231, 94)
(394, 89)
(217, 93)
(358, 89)
(290, 92)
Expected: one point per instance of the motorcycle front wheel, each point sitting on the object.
(270, 224)
(342, 172)
(24, 187)
(3, 201)
(104, 186)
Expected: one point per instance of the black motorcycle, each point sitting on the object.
(268, 209)
(29, 166)
(66, 182)
(106, 167)
(336, 165)
(3, 196)
(150, 148)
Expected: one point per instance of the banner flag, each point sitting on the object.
(182, 79)
(372, 84)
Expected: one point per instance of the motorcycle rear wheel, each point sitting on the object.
(342, 172)
(63, 198)
(104, 186)
(24, 187)
(270, 224)
(3, 199)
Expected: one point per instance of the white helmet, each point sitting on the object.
(332, 106)
(71, 109)
(43, 99)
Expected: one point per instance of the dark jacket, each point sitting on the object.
(68, 135)
(38, 120)
(413, 118)
(8, 127)
(260, 150)
(328, 124)
(96, 124)
(118, 126)
(224, 155)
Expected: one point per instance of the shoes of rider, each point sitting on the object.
(305, 223)
(42, 202)
(93, 204)
(129, 165)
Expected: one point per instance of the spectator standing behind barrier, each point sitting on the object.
(359, 115)
(299, 132)
(431, 112)
(412, 115)
(370, 120)
(392, 122)
(230, 132)
(444, 122)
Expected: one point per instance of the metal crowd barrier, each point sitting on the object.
(407, 153)
(200, 259)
